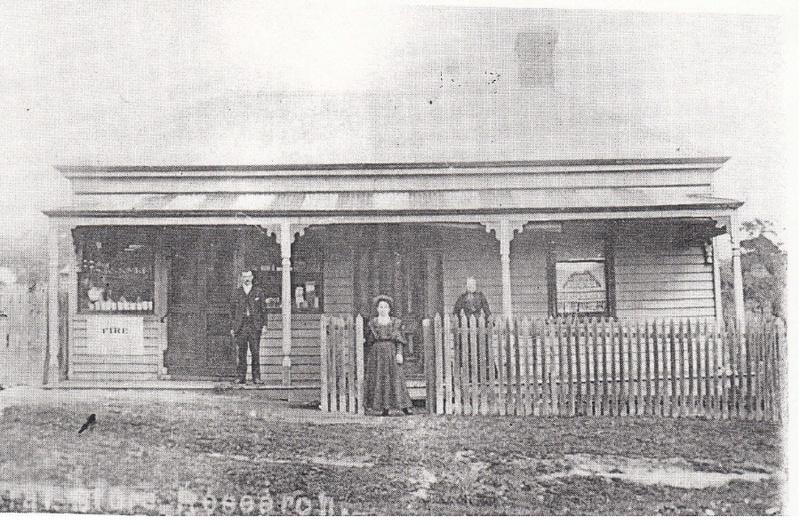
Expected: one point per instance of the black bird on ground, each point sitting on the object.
(91, 421)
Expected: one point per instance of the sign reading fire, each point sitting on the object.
(119, 334)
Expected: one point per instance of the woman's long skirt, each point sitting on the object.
(386, 388)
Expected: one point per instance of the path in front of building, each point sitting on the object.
(236, 402)
(189, 451)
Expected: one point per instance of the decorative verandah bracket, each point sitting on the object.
(504, 230)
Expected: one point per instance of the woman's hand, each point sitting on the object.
(399, 359)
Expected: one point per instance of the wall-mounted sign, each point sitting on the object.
(118, 334)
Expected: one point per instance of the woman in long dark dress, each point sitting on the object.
(385, 340)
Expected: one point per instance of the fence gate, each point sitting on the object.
(342, 364)
(603, 367)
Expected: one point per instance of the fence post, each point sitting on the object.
(360, 364)
(429, 366)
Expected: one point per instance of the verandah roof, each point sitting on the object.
(403, 202)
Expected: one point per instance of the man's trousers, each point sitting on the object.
(249, 335)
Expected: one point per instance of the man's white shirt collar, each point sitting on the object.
(247, 288)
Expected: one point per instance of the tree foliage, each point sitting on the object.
(763, 272)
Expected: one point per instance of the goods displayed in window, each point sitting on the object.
(116, 275)
(306, 288)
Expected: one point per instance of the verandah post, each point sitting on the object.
(286, 301)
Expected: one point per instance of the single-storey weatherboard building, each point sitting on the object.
(145, 258)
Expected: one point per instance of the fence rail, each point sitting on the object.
(569, 367)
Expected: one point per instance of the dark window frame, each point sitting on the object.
(610, 281)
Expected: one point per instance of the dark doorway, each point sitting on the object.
(404, 262)
(201, 280)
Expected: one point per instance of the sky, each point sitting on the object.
(227, 82)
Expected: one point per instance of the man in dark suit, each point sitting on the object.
(248, 316)
(472, 302)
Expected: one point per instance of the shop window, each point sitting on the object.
(581, 287)
(306, 281)
(116, 272)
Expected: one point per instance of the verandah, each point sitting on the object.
(577, 366)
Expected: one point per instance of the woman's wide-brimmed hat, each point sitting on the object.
(380, 298)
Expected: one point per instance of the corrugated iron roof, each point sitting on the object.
(400, 202)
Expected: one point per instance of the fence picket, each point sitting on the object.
(342, 366)
(463, 365)
(568, 387)
(770, 375)
(335, 338)
(680, 368)
(691, 379)
(449, 364)
(494, 365)
(769, 372)
(350, 370)
(595, 370)
(438, 338)
(525, 366)
(518, 370)
(614, 358)
(474, 382)
(704, 401)
(627, 377)
(536, 377)
(554, 367)
(577, 349)
(483, 368)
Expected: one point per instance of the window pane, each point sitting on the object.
(581, 287)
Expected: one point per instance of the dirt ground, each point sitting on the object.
(167, 452)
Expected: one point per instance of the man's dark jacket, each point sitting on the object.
(253, 303)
